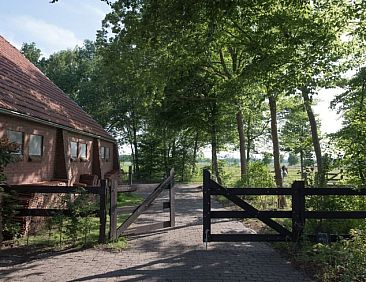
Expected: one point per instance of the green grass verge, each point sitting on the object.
(57, 235)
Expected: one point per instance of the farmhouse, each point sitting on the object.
(59, 142)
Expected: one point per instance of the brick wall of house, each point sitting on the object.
(106, 165)
(77, 167)
(26, 171)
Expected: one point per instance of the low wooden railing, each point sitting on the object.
(44, 189)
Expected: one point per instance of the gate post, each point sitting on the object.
(112, 211)
(129, 180)
(298, 209)
(102, 210)
(172, 199)
(206, 206)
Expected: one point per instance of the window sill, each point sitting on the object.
(35, 159)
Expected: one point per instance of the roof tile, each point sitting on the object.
(25, 89)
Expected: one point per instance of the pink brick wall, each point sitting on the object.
(106, 165)
(26, 171)
(77, 167)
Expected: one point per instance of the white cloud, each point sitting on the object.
(48, 37)
(95, 10)
(91, 10)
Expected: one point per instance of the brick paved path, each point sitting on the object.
(177, 254)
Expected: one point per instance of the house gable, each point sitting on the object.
(26, 91)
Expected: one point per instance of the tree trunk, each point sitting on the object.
(361, 112)
(249, 141)
(135, 145)
(130, 141)
(195, 149)
(183, 164)
(302, 164)
(276, 148)
(320, 179)
(166, 154)
(243, 157)
(215, 166)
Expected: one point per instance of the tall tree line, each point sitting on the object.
(171, 77)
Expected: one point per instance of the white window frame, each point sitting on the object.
(73, 157)
(83, 158)
(41, 145)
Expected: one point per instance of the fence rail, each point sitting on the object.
(44, 189)
(298, 213)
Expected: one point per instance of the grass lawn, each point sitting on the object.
(231, 174)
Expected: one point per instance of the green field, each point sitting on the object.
(231, 174)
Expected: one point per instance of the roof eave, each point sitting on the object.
(53, 124)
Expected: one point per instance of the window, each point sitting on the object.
(102, 153)
(83, 151)
(16, 137)
(106, 153)
(35, 145)
(74, 150)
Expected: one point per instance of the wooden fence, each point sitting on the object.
(28, 189)
(298, 213)
(136, 211)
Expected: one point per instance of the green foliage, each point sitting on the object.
(340, 261)
(351, 139)
(7, 149)
(117, 245)
(9, 201)
(10, 226)
(80, 221)
(267, 158)
(293, 159)
(79, 225)
(259, 176)
(32, 53)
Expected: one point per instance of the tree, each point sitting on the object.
(292, 159)
(351, 138)
(32, 53)
(248, 43)
(296, 132)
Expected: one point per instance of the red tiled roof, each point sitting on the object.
(26, 90)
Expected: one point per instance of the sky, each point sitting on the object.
(67, 23)
(52, 27)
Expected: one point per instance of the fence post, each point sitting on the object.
(130, 175)
(102, 210)
(206, 206)
(112, 210)
(298, 209)
(172, 191)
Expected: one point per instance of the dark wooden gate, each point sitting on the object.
(298, 213)
(136, 211)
